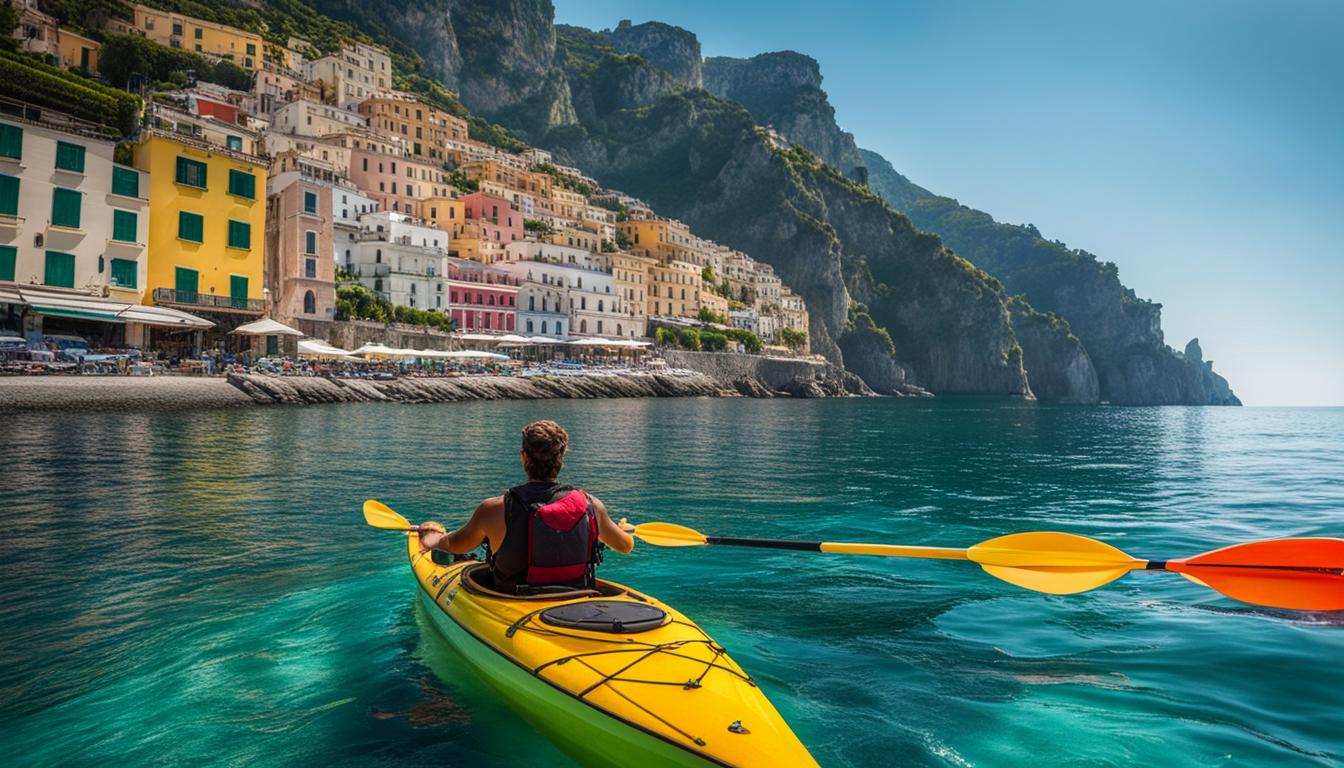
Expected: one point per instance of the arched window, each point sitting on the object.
(378, 256)
(309, 303)
(583, 326)
(529, 326)
(543, 326)
(599, 305)
(599, 326)
(618, 330)
(532, 304)
(492, 299)
(583, 302)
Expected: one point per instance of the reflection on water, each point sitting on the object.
(184, 587)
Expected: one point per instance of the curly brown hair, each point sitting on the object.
(544, 445)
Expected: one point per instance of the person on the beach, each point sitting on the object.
(541, 533)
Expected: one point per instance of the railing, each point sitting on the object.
(171, 296)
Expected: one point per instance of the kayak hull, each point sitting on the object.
(589, 737)
(657, 695)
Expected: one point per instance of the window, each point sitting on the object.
(310, 268)
(242, 184)
(65, 204)
(9, 195)
(310, 202)
(60, 270)
(69, 157)
(190, 227)
(186, 283)
(310, 242)
(124, 226)
(190, 173)
(11, 141)
(8, 256)
(124, 273)
(251, 49)
(177, 27)
(238, 291)
(125, 182)
(309, 303)
(240, 234)
(198, 33)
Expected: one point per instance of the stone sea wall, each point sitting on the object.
(762, 376)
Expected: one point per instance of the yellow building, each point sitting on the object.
(714, 303)
(176, 30)
(207, 228)
(445, 213)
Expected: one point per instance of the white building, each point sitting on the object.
(542, 309)
(353, 74)
(307, 118)
(589, 298)
(551, 253)
(347, 205)
(401, 260)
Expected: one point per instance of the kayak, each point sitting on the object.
(611, 676)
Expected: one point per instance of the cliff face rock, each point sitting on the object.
(761, 376)
(507, 48)
(783, 90)
(1058, 367)
(671, 49)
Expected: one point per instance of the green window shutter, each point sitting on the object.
(310, 202)
(186, 281)
(238, 291)
(9, 195)
(242, 184)
(310, 242)
(8, 256)
(69, 157)
(124, 226)
(240, 234)
(191, 173)
(11, 141)
(125, 182)
(190, 227)
(60, 270)
(124, 273)
(65, 205)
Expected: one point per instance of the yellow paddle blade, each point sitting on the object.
(669, 535)
(379, 515)
(1056, 563)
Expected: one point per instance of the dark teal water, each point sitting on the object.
(201, 588)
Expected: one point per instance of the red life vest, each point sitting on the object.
(550, 538)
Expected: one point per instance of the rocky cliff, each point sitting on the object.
(671, 49)
(783, 91)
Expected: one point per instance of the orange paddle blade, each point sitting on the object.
(1302, 574)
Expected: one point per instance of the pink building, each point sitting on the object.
(300, 267)
(396, 183)
(499, 220)
(481, 298)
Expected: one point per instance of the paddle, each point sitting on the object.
(379, 515)
(1301, 574)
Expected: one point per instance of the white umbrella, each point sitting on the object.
(543, 340)
(319, 348)
(373, 349)
(512, 338)
(265, 327)
(477, 337)
(468, 353)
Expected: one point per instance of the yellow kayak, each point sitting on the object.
(611, 676)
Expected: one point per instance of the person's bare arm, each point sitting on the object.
(480, 526)
(610, 532)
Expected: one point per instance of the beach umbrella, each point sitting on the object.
(265, 327)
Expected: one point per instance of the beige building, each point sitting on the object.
(429, 133)
(631, 273)
(177, 30)
(353, 74)
(674, 290)
(307, 118)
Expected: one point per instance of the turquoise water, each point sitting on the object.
(201, 587)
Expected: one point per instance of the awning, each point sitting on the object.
(163, 317)
(265, 327)
(83, 307)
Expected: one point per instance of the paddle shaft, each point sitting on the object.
(882, 550)
(1180, 567)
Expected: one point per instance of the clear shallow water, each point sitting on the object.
(201, 587)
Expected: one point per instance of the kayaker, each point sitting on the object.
(541, 533)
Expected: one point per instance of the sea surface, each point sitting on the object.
(200, 588)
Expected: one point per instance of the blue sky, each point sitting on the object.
(1199, 145)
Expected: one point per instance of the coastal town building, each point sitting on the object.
(429, 133)
(356, 72)
(631, 272)
(541, 309)
(401, 260)
(40, 33)
(482, 297)
(347, 205)
(207, 224)
(178, 30)
(300, 240)
(302, 117)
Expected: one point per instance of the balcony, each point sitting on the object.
(168, 296)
